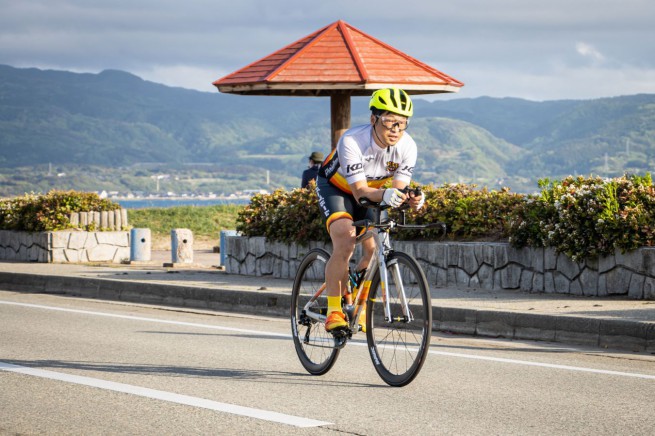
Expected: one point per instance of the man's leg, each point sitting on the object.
(342, 234)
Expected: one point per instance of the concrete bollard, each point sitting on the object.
(95, 219)
(140, 245)
(110, 221)
(74, 219)
(118, 220)
(182, 246)
(123, 213)
(104, 220)
(223, 243)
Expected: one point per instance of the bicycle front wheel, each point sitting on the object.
(398, 346)
(315, 347)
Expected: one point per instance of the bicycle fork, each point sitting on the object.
(383, 264)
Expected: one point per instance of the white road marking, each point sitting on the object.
(139, 318)
(258, 332)
(265, 415)
(544, 365)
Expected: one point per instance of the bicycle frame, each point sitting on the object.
(383, 244)
(380, 234)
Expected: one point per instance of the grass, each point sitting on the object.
(205, 222)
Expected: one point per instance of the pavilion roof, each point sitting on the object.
(336, 58)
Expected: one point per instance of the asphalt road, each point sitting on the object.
(76, 366)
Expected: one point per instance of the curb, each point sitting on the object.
(567, 329)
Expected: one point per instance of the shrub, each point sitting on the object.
(582, 217)
(285, 216)
(294, 216)
(588, 217)
(469, 213)
(36, 213)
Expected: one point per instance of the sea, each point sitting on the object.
(147, 203)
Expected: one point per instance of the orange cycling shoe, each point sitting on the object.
(335, 320)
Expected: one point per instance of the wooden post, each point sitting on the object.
(340, 115)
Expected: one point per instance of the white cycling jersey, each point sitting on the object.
(357, 157)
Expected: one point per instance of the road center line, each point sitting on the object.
(171, 397)
(358, 343)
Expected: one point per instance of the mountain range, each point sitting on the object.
(122, 127)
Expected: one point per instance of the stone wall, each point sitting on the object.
(65, 246)
(491, 266)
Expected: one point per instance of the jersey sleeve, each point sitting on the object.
(351, 160)
(406, 168)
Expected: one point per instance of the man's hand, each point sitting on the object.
(393, 197)
(416, 202)
(416, 199)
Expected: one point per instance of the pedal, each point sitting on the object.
(341, 331)
(341, 336)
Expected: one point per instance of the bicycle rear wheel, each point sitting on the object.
(398, 347)
(315, 347)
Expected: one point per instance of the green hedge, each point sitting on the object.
(38, 213)
(588, 217)
(582, 217)
(285, 216)
(293, 216)
(470, 214)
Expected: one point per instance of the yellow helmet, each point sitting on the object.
(392, 100)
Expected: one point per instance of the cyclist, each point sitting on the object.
(365, 158)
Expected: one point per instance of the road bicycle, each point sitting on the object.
(395, 293)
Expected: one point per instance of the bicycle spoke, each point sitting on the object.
(399, 347)
(314, 346)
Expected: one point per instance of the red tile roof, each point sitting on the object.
(336, 58)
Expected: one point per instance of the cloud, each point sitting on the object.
(511, 48)
(183, 76)
(561, 83)
(589, 51)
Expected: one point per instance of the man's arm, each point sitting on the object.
(361, 189)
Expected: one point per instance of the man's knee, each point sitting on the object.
(342, 234)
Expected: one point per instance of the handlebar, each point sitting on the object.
(366, 202)
(368, 223)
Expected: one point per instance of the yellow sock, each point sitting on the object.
(334, 304)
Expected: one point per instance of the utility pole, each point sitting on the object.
(627, 147)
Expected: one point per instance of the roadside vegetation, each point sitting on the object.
(584, 217)
(206, 223)
(48, 212)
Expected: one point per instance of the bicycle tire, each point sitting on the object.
(398, 349)
(314, 346)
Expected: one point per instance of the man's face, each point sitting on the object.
(389, 127)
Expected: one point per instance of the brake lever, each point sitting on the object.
(406, 190)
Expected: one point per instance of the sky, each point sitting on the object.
(536, 50)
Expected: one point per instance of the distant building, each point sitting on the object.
(251, 192)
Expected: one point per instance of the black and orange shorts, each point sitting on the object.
(336, 204)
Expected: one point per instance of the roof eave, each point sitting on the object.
(317, 89)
